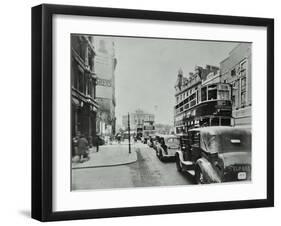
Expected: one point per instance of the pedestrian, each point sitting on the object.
(82, 147)
(74, 145)
(97, 142)
(119, 138)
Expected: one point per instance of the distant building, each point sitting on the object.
(137, 119)
(164, 128)
(105, 63)
(83, 87)
(236, 70)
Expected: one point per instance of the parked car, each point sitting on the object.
(216, 154)
(166, 146)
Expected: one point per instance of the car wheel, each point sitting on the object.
(199, 177)
(178, 164)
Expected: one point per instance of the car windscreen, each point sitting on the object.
(230, 141)
(173, 140)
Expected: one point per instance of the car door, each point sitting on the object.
(195, 150)
(185, 147)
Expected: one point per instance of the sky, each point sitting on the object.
(147, 68)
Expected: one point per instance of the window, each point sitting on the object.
(74, 77)
(223, 95)
(233, 99)
(87, 90)
(233, 72)
(193, 96)
(195, 139)
(204, 94)
(243, 99)
(225, 122)
(243, 68)
(235, 93)
(243, 91)
(243, 65)
(92, 62)
(192, 103)
(93, 90)
(243, 83)
(173, 141)
(212, 94)
(81, 81)
(215, 121)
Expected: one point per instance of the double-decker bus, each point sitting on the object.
(204, 105)
(148, 130)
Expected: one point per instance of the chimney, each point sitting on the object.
(180, 79)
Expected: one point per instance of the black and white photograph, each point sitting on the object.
(149, 112)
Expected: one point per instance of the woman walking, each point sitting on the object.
(82, 147)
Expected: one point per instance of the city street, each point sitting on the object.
(164, 98)
(146, 171)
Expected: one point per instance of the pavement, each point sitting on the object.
(108, 155)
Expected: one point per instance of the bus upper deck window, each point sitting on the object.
(204, 94)
(223, 95)
(212, 93)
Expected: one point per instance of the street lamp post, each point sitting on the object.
(129, 133)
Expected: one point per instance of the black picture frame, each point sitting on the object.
(42, 107)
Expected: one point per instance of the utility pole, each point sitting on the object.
(129, 133)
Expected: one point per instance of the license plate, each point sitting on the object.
(241, 175)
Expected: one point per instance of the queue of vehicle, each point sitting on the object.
(212, 154)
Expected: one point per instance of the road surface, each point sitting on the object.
(147, 171)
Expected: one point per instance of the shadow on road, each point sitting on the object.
(188, 176)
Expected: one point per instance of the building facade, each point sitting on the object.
(216, 95)
(83, 87)
(137, 120)
(236, 70)
(105, 64)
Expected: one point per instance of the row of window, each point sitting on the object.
(239, 94)
(207, 93)
(208, 121)
(82, 81)
(239, 69)
(184, 95)
(83, 50)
